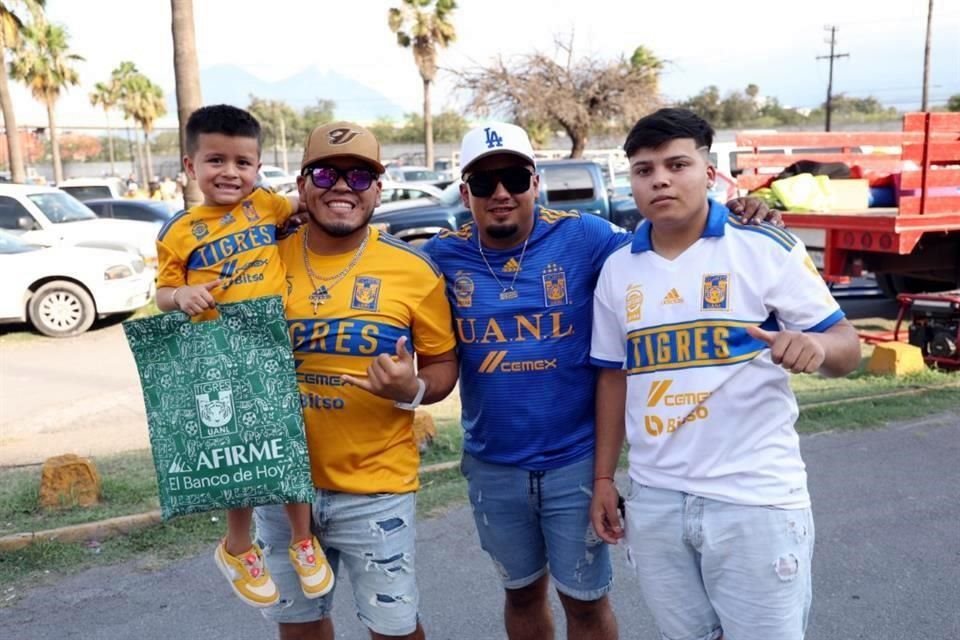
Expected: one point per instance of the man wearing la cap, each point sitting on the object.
(520, 279)
(359, 304)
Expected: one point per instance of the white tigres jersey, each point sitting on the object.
(708, 413)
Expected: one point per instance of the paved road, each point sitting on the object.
(887, 563)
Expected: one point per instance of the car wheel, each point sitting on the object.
(61, 309)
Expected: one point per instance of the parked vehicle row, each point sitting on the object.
(564, 184)
(61, 290)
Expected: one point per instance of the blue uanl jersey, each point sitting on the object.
(526, 382)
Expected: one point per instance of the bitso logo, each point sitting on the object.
(215, 407)
(493, 138)
(343, 135)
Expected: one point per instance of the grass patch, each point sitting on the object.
(181, 537)
(447, 444)
(129, 486)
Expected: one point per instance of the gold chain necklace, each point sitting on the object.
(322, 293)
(506, 293)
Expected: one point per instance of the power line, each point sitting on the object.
(833, 56)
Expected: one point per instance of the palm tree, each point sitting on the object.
(107, 95)
(143, 101)
(186, 69)
(43, 64)
(11, 28)
(424, 31)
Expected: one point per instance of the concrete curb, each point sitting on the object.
(120, 525)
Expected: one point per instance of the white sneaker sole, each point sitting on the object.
(228, 574)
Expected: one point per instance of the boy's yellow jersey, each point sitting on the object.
(236, 244)
(358, 442)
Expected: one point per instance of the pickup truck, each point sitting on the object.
(564, 184)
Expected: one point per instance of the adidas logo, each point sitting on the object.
(512, 266)
(672, 297)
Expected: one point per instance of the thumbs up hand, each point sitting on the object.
(793, 350)
(390, 377)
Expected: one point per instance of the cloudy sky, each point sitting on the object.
(772, 43)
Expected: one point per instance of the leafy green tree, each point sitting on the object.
(11, 31)
(44, 64)
(275, 117)
(577, 95)
(107, 96)
(142, 101)
(953, 102)
(424, 31)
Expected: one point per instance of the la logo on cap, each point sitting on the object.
(493, 139)
(343, 135)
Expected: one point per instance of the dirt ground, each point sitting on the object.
(79, 395)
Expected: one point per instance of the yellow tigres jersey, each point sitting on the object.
(237, 244)
(358, 442)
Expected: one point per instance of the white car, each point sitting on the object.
(405, 191)
(47, 216)
(62, 290)
(277, 179)
(91, 188)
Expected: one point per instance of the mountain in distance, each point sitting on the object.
(228, 84)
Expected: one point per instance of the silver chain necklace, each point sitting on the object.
(506, 293)
(322, 293)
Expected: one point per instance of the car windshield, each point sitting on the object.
(273, 173)
(60, 207)
(12, 244)
(420, 175)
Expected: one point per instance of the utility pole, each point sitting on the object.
(833, 56)
(926, 59)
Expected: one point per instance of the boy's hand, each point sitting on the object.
(793, 350)
(754, 211)
(604, 515)
(195, 299)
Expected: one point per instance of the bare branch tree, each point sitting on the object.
(578, 96)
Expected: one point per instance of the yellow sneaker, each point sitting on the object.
(248, 576)
(316, 576)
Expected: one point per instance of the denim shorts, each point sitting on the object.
(709, 569)
(372, 536)
(531, 522)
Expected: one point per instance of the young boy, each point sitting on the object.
(696, 324)
(224, 251)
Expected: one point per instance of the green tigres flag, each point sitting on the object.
(223, 408)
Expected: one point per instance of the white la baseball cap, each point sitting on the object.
(495, 137)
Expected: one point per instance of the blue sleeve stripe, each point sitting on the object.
(606, 364)
(779, 236)
(169, 223)
(827, 322)
(387, 239)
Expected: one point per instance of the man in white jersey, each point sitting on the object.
(697, 324)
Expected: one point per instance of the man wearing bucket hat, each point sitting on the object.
(359, 305)
(520, 279)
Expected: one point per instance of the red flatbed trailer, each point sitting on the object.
(911, 247)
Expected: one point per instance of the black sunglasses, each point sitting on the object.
(514, 179)
(326, 177)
